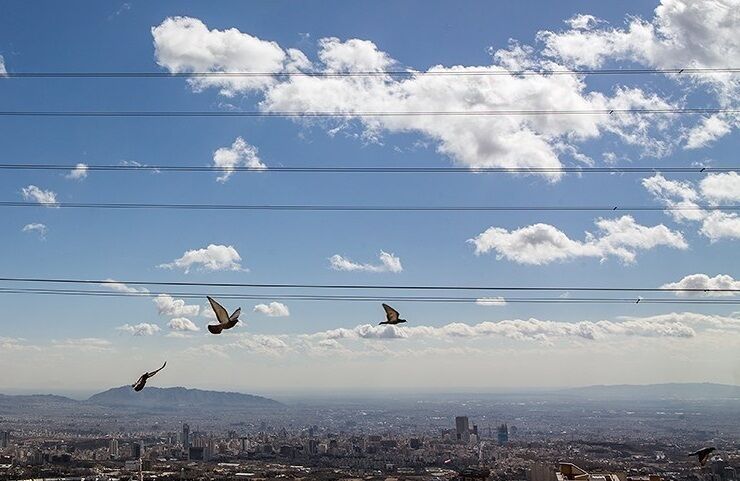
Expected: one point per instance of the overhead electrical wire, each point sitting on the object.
(320, 114)
(366, 169)
(379, 73)
(368, 208)
(356, 298)
(110, 283)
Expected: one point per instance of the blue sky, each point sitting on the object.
(295, 351)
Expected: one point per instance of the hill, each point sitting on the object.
(677, 391)
(180, 398)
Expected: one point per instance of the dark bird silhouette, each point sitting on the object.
(222, 316)
(139, 385)
(703, 454)
(391, 315)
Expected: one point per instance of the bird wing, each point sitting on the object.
(235, 315)
(230, 324)
(390, 313)
(704, 455)
(155, 372)
(218, 309)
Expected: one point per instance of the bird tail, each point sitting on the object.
(384, 322)
(215, 329)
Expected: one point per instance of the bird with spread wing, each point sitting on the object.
(222, 316)
(139, 385)
(391, 315)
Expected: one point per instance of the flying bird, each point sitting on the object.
(391, 315)
(225, 321)
(139, 385)
(703, 454)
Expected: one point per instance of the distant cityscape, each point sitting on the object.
(533, 438)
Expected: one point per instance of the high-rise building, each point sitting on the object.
(137, 450)
(502, 434)
(185, 436)
(4, 439)
(462, 428)
(113, 448)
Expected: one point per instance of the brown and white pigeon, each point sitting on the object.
(222, 316)
(703, 454)
(391, 315)
(139, 385)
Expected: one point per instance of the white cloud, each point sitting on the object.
(517, 329)
(141, 329)
(39, 228)
(388, 263)
(46, 197)
(212, 258)
(171, 307)
(239, 154)
(88, 344)
(683, 33)
(78, 173)
(582, 22)
(186, 44)
(722, 187)
(715, 225)
(491, 301)
(3, 72)
(540, 244)
(14, 344)
(274, 309)
(182, 324)
(703, 281)
(706, 132)
(261, 344)
(121, 287)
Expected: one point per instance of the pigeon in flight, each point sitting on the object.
(703, 454)
(222, 316)
(139, 385)
(391, 315)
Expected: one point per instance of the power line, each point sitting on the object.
(109, 282)
(352, 298)
(367, 169)
(379, 73)
(370, 208)
(324, 114)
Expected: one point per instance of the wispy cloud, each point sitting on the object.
(78, 173)
(388, 263)
(39, 228)
(36, 194)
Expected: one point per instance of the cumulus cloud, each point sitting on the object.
(78, 173)
(703, 281)
(274, 309)
(39, 228)
(121, 287)
(517, 329)
(141, 329)
(182, 324)
(540, 244)
(388, 263)
(186, 44)
(212, 258)
(171, 307)
(239, 154)
(36, 194)
(491, 301)
(261, 344)
(715, 188)
(682, 33)
(722, 187)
